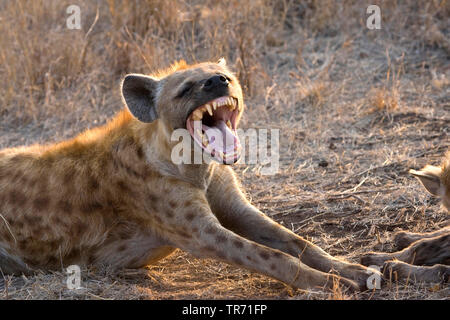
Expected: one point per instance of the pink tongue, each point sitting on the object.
(220, 137)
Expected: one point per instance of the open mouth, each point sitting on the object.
(213, 128)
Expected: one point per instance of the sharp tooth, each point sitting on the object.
(205, 141)
(229, 100)
(229, 124)
(214, 107)
(215, 104)
(208, 107)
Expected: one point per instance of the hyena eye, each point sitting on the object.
(187, 87)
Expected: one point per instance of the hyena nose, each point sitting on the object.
(215, 82)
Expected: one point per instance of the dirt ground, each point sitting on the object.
(356, 109)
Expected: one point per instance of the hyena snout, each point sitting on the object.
(216, 82)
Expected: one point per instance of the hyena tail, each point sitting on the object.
(12, 265)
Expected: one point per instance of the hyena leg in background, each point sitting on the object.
(396, 270)
(422, 252)
(237, 214)
(403, 239)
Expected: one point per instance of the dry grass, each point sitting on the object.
(356, 108)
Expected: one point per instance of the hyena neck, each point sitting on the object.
(155, 139)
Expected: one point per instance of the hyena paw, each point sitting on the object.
(362, 273)
(375, 259)
(358, 273)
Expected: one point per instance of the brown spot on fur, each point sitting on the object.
(56, 220)
(221, 238)
(123, 187)
(264, 255)
(169, 213)
(190, 216)
(187, 203)
(158, 219)
(152, 198)
(183, 234)
(32, 182)
(249, 258)
(273, 266)
(16, 197)
(122, 247)
(93, 184)
(140, 153)
(172, 204)
(238, 244)
(210, 230)
(236, 260)
(41, 204)
(65, 206)
(78, 229)
(277, 254)
(90, 207)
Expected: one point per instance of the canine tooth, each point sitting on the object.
(214, 106)
(208, 107)
(229, 124)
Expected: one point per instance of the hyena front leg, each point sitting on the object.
(403, 239)
(195, 229)
(398, 270)
(237, 214)
(422, 252)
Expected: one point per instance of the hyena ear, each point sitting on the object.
(139, 94)
(430, 177)
(222, 62)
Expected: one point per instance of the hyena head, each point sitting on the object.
(436, 180)
(206, 99)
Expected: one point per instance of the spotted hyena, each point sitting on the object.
(425, 256)
(113, 196)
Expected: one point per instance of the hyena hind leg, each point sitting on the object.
(398, 270)
(12, 265)
(403, 239)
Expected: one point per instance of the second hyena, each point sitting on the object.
(424, 256)
(113, 196)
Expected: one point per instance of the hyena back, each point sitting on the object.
(112, 196)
